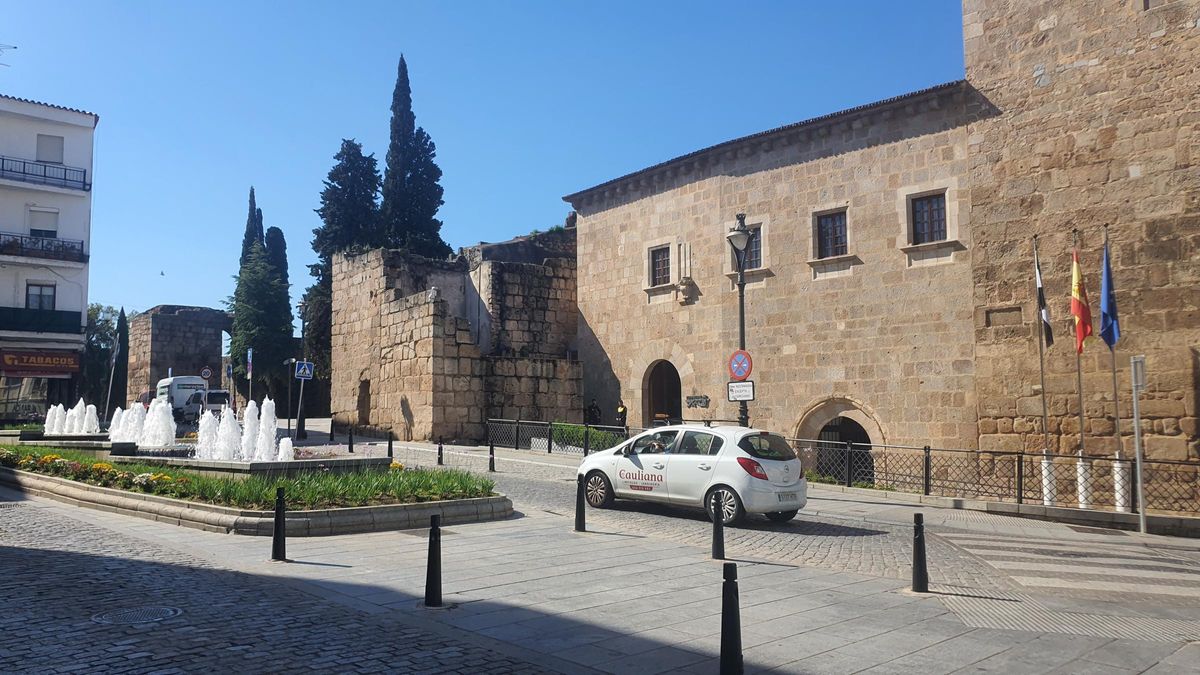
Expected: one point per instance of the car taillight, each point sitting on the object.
(752, 467)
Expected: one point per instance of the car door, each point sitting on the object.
(692, 467)
(642, 474)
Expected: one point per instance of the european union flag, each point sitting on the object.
(1110, 326)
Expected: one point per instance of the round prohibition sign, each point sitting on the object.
(206, 373)
(740, 365)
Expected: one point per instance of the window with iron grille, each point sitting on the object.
(831, 234)
(754, 249)
(928, 219)
(39, 296)
(660, 266)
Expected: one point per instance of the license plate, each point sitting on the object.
(786, 496)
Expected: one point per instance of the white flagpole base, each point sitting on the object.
(1121, 496)
(1049, 489)
(1083, 483)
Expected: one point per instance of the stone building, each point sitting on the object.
(891, 298)
(431, 349)
(174, 338)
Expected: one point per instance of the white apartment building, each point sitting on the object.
(45, 233)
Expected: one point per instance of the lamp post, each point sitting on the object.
(739, 239)
(301, 432)
(287, 372)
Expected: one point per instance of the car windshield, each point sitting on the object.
(767, 446)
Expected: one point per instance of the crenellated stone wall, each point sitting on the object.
(177, 339)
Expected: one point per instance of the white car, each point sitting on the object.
(741, 470)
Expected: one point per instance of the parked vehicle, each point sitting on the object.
(739, 470)
(213, 400)
(177, 390)
(145, 397)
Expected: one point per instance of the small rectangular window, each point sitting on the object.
(43, 224)
(754, 249)
(831, 235)
(39, 296)
(660, 266)
(49, 149)
(929, 219)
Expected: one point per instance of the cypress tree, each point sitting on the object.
(261, 319)
(254, 231)
(120, 376)
(277, 254)
(349, 204)
(412, 193)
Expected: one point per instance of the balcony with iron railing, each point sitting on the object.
(40, 320)
(48, 248)
(58, 175)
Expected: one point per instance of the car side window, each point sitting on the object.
(656, 443)
(700, 443)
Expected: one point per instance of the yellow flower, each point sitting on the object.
(396, 466)
(102, 467)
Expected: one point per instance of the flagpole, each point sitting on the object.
(1112, 352)
(1082, 472)
(112, 370)
(1042, 364)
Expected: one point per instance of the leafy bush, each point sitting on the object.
(598, 439)
(313, 490)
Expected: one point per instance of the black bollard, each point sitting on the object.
(580, 518)
(350, 439)
(920, 574)
(440, 462)
(279, 533)
(731, 623)
(492, 457)
(718, 544)
(433, 571)
(389, 445)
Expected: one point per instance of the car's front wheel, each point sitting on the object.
(781, 516)
(727, 503)
(597, 490)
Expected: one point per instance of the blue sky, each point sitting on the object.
(526, 101)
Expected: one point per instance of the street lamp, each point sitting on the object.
(287, 372)
(739, 239)
(301, 433)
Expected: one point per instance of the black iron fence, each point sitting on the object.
(46, 174)
(1052, 480)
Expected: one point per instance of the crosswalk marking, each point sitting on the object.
(1112, 586)
(1129, 573)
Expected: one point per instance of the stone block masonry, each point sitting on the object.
(174, 338)
(432, 349)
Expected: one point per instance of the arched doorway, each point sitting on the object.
(662, 395)
(844, 452)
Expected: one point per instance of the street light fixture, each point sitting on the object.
(739, 239)
(287, 371)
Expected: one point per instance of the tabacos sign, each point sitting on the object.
(39, 362)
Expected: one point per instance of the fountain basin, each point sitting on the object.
(217, 468)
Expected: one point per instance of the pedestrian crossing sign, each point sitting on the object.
(304, 370)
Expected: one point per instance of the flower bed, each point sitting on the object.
(316, 490)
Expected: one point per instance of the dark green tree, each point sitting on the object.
(349, 204)
(262, 321)
(277, 254)
(100, 337)
(120, 376)
(254, 231)
(412, 193)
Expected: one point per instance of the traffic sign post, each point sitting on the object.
(741, 391)
(740, 365)
(304, 370)
(206, 373)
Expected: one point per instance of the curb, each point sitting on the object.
(226, 520)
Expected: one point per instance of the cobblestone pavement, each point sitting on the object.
(59, 573)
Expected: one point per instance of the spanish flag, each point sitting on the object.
(1079, 303)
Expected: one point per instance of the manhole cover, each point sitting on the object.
(137, 615)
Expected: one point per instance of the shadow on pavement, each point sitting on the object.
(752, 522)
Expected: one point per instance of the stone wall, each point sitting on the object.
(886, 331)
(1099, 124)
(408, 360)
(177, 339)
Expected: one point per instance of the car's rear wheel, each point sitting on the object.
(727, 503)
(597, 490)
(781, 516)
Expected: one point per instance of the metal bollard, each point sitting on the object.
(389, 445)
(350, 438)
(433, 571)
(440, 461)
(731, 623)
(920, 575)
(580, 518)
(279, 533)
(492, 457)
(718, 540)
(927, 471)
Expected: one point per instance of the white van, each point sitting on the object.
(177, 390)
(213, 400)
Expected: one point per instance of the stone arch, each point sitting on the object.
(662, 393)
(821, 413)
(638, 367)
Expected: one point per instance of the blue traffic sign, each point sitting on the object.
(304, 370)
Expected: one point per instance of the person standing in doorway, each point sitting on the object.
(592, 414)
(622, 413)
